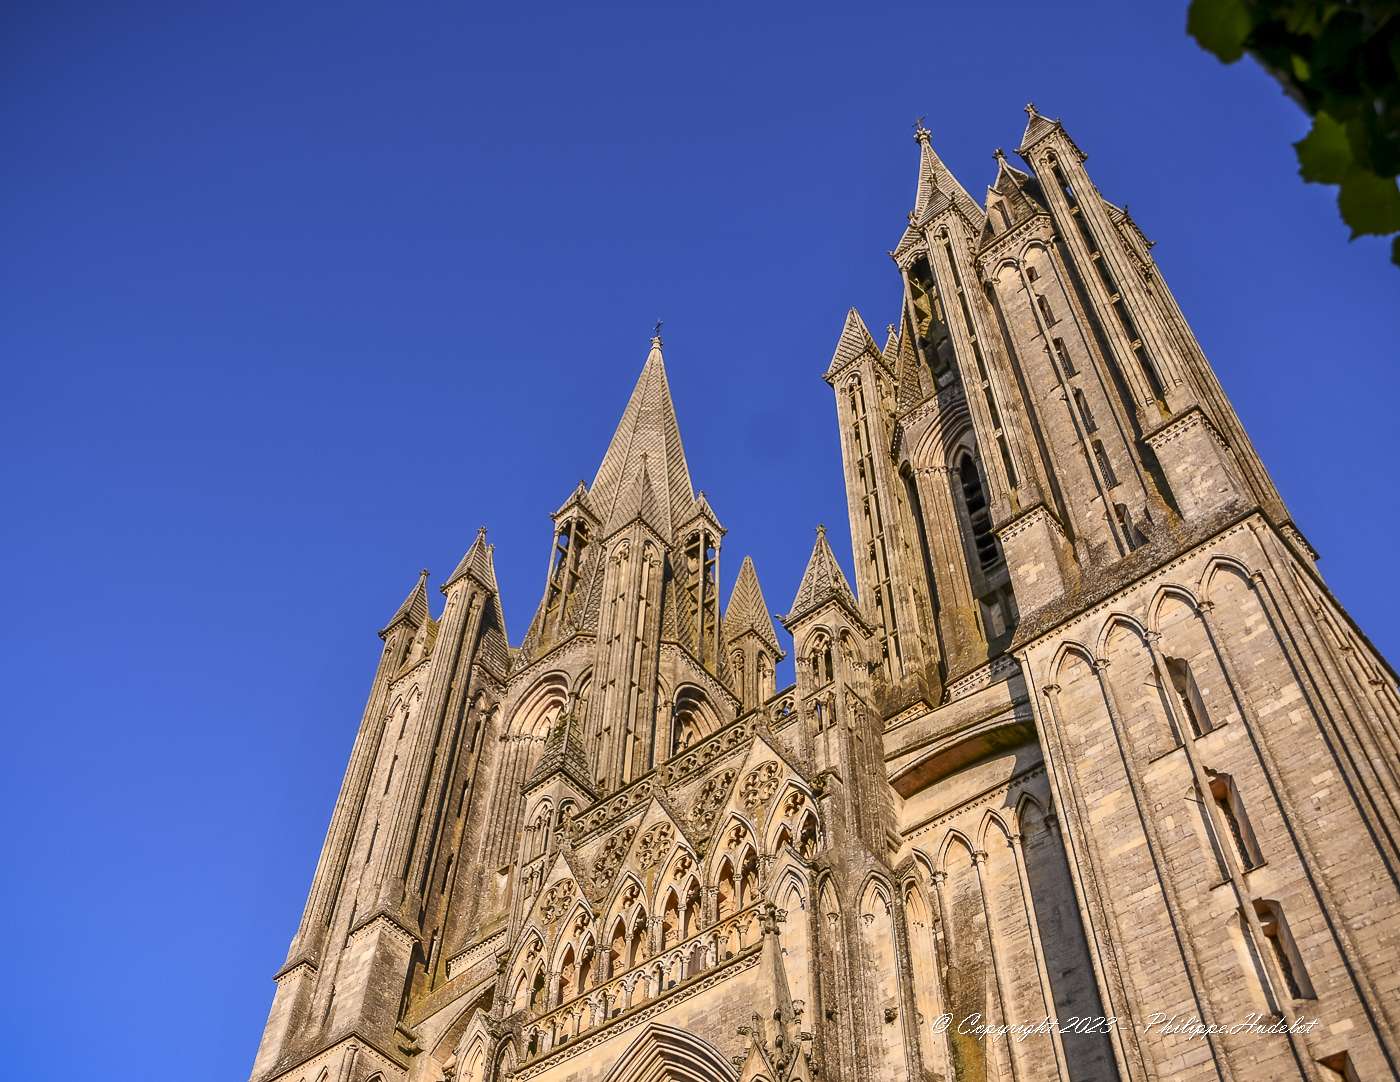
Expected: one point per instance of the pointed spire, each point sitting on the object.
(823, 581)
(747, 611)
(648, 428)
(476, 562)
(577, 498)
(700, 509)
(414, 610)
(854, 342)
(937, 187)
(891, 349)
(1036, 126)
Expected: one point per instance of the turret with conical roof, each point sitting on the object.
(750, 639)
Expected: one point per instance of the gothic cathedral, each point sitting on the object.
(1090, 741)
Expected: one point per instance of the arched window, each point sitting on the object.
(568, 976)
(638, 949)
(670, 922)
(821, 660)
(585, 967)
(1285, 950)
(1226, 797)
(690, 920)
(1110, 479)
(766, 677)
(748, 879)
(725, 896)
(1188, 695)
(1085, 413)
(979, 516)
(694, 718)
(617, 949)
(807, 837)
(537, 992)
(1133, 536)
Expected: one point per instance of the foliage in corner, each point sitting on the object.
(1340, 60)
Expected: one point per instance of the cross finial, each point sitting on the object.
(656, 332)
(1030, 108)
(921, 133)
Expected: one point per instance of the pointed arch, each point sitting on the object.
(614, 903)
(1217, 565)
(694, 717)
(1030, 815)
(1119, 621)
(1164, 593)
(749, 886)
(955, 846)
(663, 1052)
(876, 887)
(727, 889)
(786, 810)
(1069, 649)
(738, 831)
(991, 821)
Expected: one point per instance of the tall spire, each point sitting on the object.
(855, 341)
(476, 561)
(648, 430)
(823, 581)
(1036, 125)
(414, 610)
(937, 187)
(747, 611)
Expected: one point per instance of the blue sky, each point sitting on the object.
(296, 296)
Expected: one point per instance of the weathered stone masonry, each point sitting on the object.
(1090, 737)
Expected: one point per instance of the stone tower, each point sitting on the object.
(1089, 739)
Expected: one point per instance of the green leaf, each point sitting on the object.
(1324, 155)
(1220, 27)
(1369, 204)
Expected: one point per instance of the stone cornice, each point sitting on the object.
(1176, 427)
(486, 948)
(1098, 591)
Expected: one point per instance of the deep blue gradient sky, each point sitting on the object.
(296, 296)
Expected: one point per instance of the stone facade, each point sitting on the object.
(1089, 738)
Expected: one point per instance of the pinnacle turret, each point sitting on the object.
(855, 341)
(414, 610)
(823, 581)
(937, 188)
(476, 562)
(747, 611)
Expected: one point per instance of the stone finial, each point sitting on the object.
(999, 154)
(1030, 109)
(921, 133)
